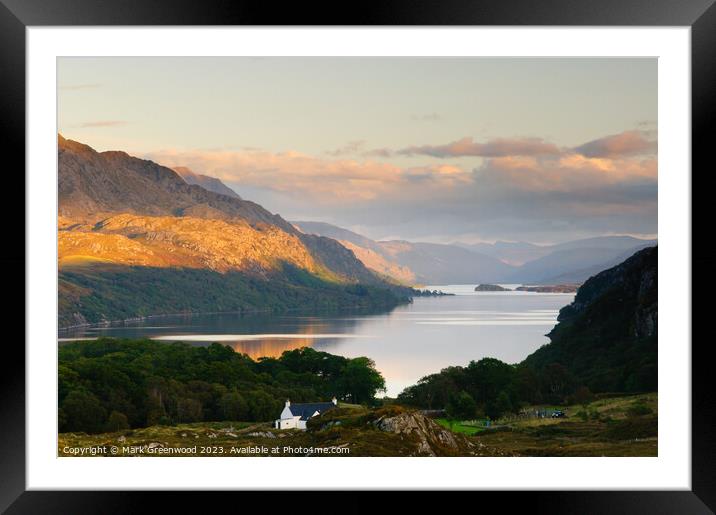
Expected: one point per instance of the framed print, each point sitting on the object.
(429, 246)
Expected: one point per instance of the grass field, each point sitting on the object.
(464, 427)
(612, 426)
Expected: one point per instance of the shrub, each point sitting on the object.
(631, 428)
(117, 422)
(639, 410)
(461, 406)
(83, 412)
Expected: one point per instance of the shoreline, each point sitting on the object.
(255, 311)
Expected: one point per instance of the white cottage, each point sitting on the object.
(295, 416)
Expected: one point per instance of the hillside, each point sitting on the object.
(93, 184)
(607, 338)
(132, 218)
(507, 262)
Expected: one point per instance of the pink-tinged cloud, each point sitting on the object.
(569, 173)
(628, 143)
(499, 147)
(309, 177)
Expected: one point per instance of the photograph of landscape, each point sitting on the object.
(357, 256)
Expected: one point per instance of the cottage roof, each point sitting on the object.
(306, 411)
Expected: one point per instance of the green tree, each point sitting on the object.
(360, 380)
(189, 410)
(461, 406)
(557, 380)
(499, 407)
(488, 377)
(117, 422)
(262, 406)
(233, 406)
(83, 412)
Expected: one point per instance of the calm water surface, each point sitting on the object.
(406, 344)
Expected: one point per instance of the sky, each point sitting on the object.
(425, 149)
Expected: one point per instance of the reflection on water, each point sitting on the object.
(272, 348)
(406, 343)
(262, 345)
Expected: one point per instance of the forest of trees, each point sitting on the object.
(110, 384)
(113, 292)
(491, 388)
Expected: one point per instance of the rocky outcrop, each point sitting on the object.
(607, 337)
(431, 438)
(634, 280)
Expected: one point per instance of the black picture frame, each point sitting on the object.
(17, 15)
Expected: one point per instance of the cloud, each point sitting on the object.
(492, 148)
(378, 152)
(352, 147)
(101, 123)
(566, 173)
(509, 195)
(628, 143)
(526, 198)
(314, 179)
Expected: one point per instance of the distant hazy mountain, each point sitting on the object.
(562, 262)
(606, 242)
(337, 233)
(520, 252)
(434, 263)
(422, 263)
(506, 262)
(512, 253)
(582, 274)
(206, 182)
(572, 265)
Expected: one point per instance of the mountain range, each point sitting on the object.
(501, 262)
(414, 263)
(122, 219)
